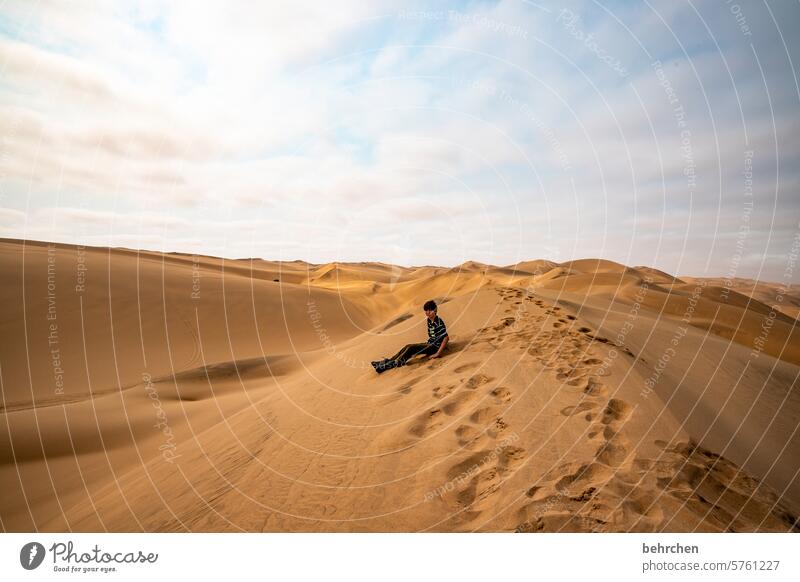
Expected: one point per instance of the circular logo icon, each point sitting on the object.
(31, 555)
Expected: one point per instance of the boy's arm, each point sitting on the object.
(441, 347)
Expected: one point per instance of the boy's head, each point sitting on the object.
(430, 308)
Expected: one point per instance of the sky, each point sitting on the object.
(656, 133)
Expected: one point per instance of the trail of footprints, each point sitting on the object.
(617, 490)
(538, 329)
(473, 406)
(560, 348)
(645, 495)
(564, 347)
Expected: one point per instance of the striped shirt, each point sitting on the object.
(436, 331)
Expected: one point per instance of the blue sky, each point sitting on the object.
(412, 134)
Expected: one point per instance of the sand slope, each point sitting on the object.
(197, 394)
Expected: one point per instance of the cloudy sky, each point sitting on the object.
(661, 133)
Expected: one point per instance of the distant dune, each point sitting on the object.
(168, 392)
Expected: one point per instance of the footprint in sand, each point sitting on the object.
(465, 367)
(456, 404)
(560, 521)
(510, 457)
(485, 480)
(477, 381)
(472, 436)
(621, 492)
(616, 411)
(442, 391)
(589, 474)
(487, 467)
(406, 388)
(614, 451)
(501, 394)
(569, 373)
(566, 500)
(498, 427)
(480, 487)
(596, 430)
(471, 464)
(484, 415)
(467, 434)
(595, 387)
(577, 409)
(427, 422)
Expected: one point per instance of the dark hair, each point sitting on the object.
(430, 305)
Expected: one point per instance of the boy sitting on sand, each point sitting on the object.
(437, 342)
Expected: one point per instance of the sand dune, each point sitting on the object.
(776, 296)
(150, 392)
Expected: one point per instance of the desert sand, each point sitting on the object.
(165, 392)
